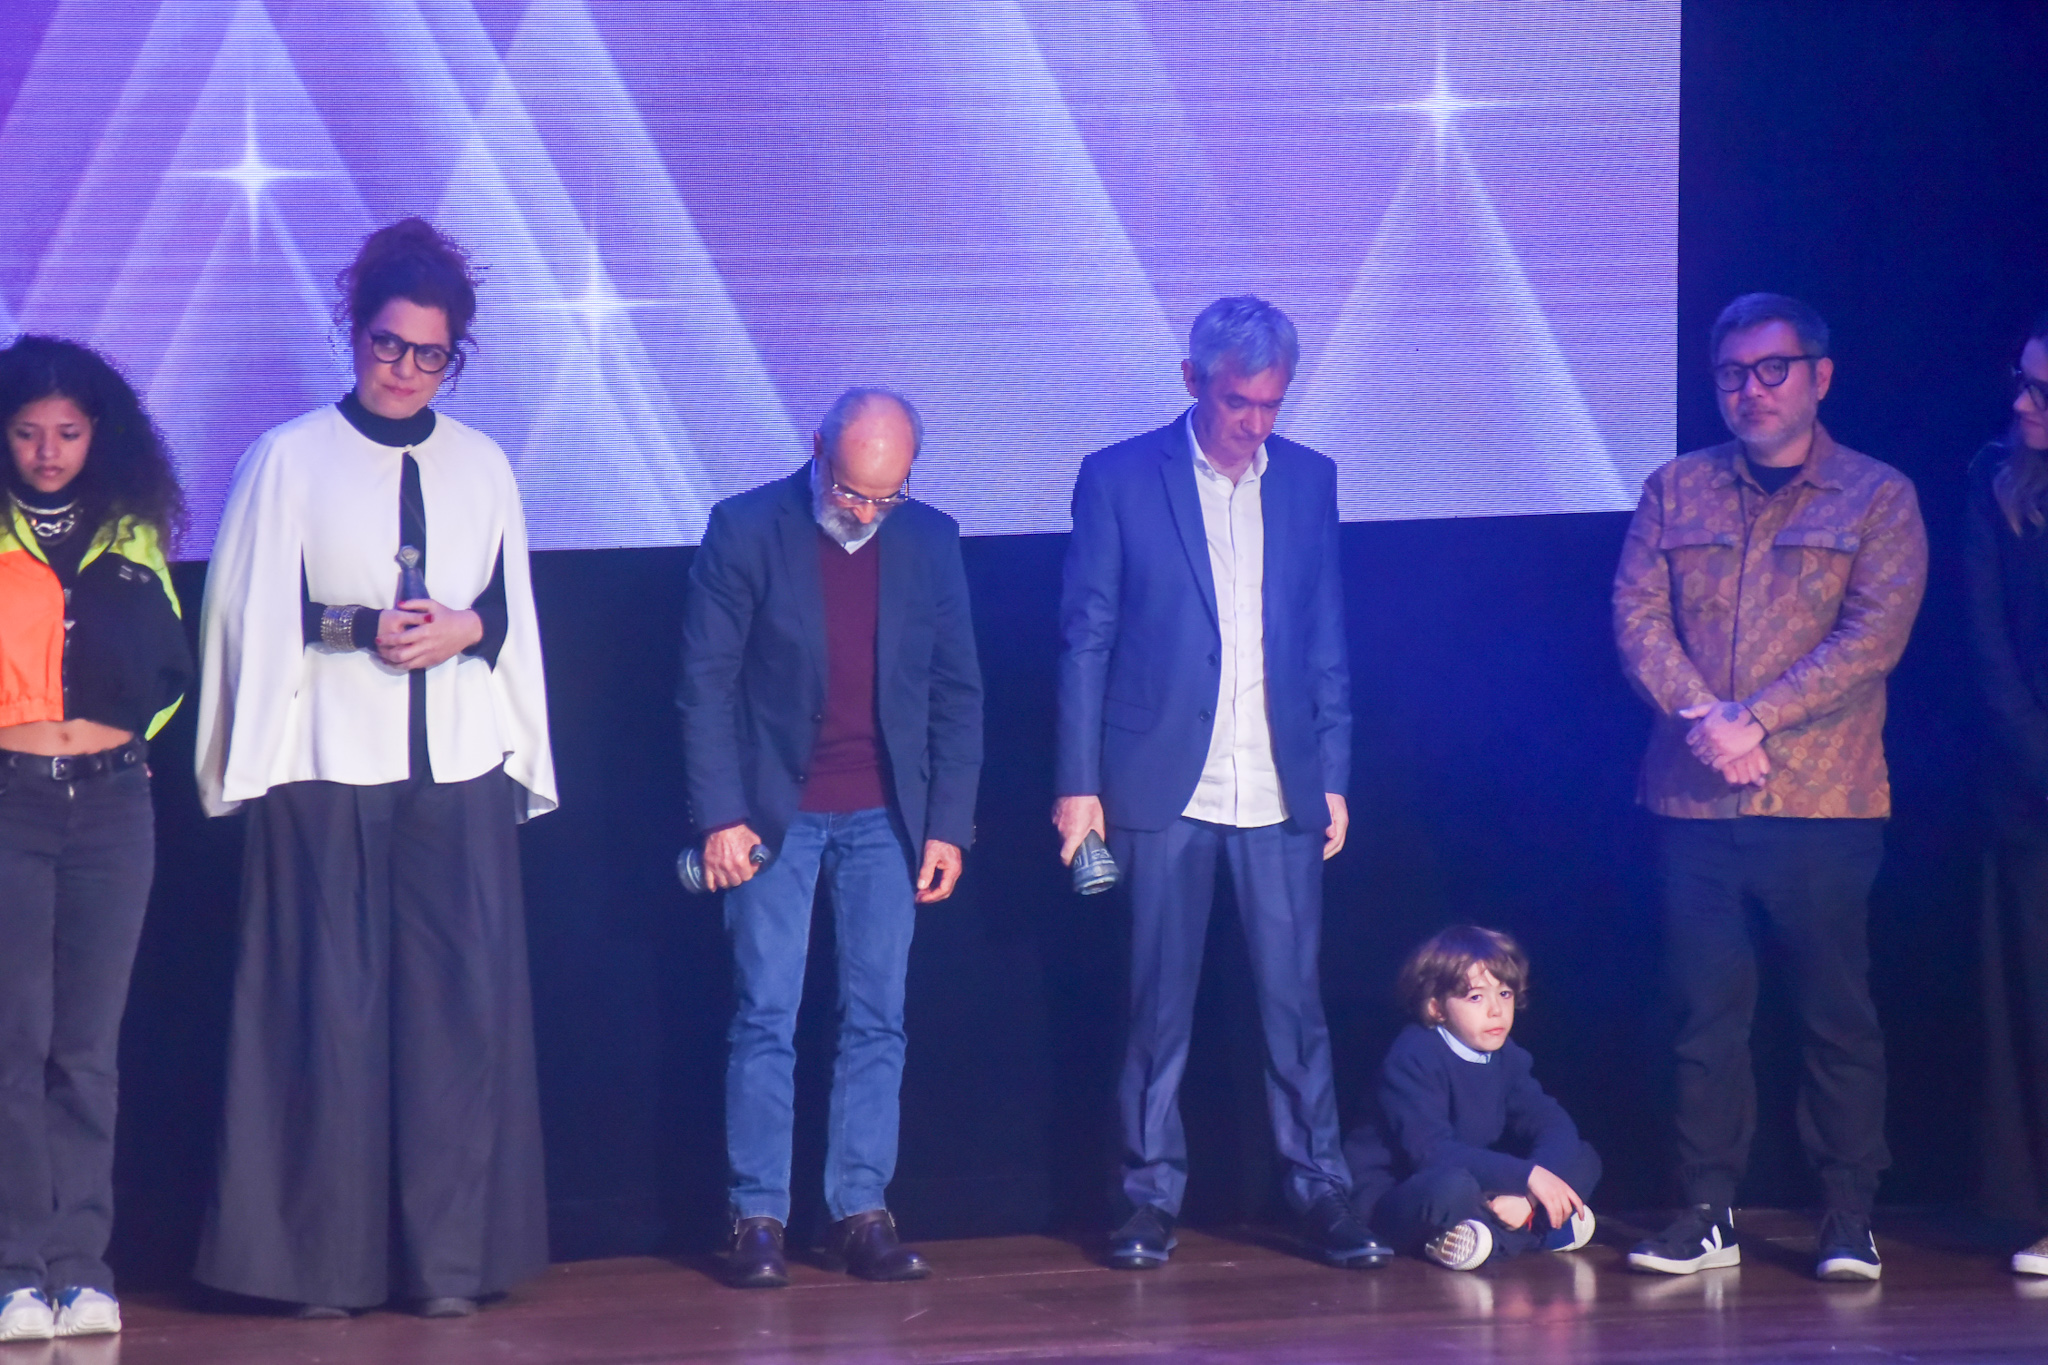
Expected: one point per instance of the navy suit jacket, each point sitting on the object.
(753, 675)
(1138, 677)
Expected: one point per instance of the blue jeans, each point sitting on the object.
(865, 858)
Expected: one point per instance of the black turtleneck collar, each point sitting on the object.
(387, 431)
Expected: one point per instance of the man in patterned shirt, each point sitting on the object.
(1766, 589)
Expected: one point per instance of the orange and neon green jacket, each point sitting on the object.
(110, 647)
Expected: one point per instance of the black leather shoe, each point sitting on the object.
(1340, 1236)
(755, 1260)
(866, 1245)
(446, 1306)
(1144, 1241)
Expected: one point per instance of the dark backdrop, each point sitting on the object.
(1882, 160)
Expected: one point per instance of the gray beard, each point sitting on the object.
(846, 529)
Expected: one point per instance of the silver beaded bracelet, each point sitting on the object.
(338, 628)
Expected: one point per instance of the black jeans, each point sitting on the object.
(1812, 880)
(76, 861)
(1439, 1197)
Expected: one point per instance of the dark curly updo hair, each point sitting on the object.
(411, 259)
(127, 469)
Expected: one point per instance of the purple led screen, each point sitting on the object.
(703, 218)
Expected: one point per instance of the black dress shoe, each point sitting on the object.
(1340, 1236)
(1144, 1241)
(866, 1245)
(755, 1260)
(446, 1306)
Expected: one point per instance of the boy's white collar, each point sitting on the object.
(1469, 1054)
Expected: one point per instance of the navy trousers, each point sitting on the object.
(1278, 874)
(1439, 1197)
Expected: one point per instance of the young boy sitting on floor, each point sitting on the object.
(1469, 1158)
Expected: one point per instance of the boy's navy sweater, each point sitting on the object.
(1437, 1109)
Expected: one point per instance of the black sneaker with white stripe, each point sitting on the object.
(1703, 1238)
(1847, 1251)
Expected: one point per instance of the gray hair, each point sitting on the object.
(848, 405)
(1249, 333)
(1754, 310)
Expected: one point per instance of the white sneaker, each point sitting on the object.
(25, 1316)
(1573, 1235)
(2033, 1260)
(84, 1312)
(1464, 1247)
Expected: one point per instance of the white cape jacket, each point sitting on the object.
(273, 709)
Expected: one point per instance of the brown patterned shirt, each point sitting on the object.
(1797, 604)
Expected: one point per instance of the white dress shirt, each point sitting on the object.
(1240, 785)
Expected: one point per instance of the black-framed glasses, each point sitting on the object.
(850, 500)
(2025, 384)
(1732, 376)
(390, 349)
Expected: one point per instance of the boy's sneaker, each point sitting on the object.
(25, 1316)
(1703, 1238)
(86, 1312)
(2033, 1260)
(1572, 1235)
(1464, 1247)
(1847, 1250)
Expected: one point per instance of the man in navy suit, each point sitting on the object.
(1205, 710)
(831, 708)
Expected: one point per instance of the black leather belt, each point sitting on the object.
(76, 767)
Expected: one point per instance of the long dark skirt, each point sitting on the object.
(2014, 943)
(382, 1129)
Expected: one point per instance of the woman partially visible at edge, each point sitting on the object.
(372, 692)
(93, 660)
(2006, 563)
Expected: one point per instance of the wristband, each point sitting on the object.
(338, 628)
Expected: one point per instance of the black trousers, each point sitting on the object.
(76, 861)
(1439, 1197)
(382, 1127)
(2014, 956)
(1812, 880)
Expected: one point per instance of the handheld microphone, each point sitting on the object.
(690, 866)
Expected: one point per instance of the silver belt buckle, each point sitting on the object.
(60, 768)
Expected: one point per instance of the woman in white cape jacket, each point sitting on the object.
(382, 1130)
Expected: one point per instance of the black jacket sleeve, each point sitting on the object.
(2017, 717)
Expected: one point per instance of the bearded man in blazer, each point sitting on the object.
(831, 705)
(1204, 710)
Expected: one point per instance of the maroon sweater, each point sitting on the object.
(846, 760)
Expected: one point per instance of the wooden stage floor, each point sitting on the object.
(1225, 1299)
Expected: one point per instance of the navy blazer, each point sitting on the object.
(1143, 656)
(753, 675)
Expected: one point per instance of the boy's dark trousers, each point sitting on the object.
(1812, 879)
(1439, 1197)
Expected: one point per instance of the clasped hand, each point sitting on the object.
(1728, 739)
(1558, 1201)
(421, 633)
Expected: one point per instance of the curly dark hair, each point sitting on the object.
(411, 259)
(1441, 967)
(128, 470)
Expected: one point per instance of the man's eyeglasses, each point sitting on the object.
(2024, 383)
(1771, 371)
(851, 500)
(391, 349)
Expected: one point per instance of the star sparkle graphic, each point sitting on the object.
(600, 304)
(252, 174)
(1442, 106)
